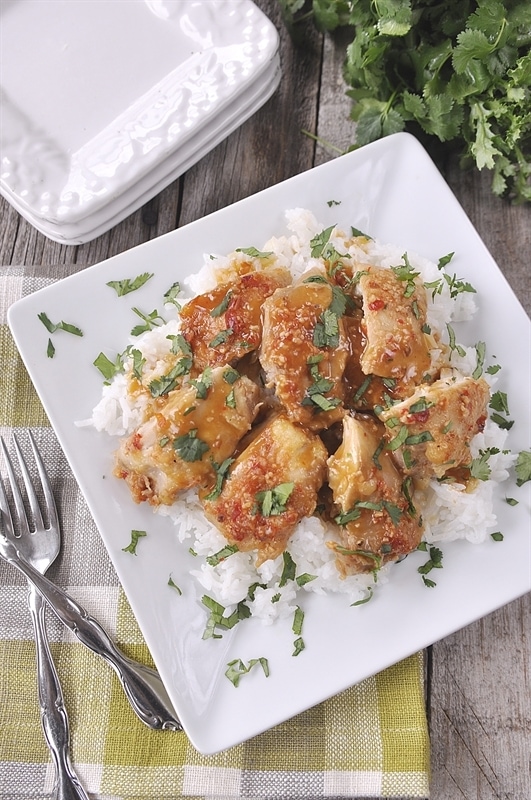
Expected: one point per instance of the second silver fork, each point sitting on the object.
(54, 717)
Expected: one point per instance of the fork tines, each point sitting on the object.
(33, 502)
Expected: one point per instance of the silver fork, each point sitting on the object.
(142, 685)
(41, 549)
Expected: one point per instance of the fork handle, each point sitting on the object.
(53, 712)
(142, 685)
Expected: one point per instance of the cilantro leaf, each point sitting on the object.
(272, 502)
(523, 467)
(135, 537)
(189, 447)
(127, 285)
(52, 327)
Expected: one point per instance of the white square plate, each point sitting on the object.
(391, 190)
(103, 104)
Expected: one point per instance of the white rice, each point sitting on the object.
(451, 512)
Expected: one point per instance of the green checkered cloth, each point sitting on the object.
(370, 741)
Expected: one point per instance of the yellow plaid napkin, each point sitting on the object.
(370, 741)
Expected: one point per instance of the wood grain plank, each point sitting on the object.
(480, 708)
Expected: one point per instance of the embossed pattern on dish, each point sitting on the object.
(122, 85)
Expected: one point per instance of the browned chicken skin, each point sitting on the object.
(282, 461)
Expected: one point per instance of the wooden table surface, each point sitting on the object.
(478, 681)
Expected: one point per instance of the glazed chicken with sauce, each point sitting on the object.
(306, 378)
(441, 419)
(283, 454)
(173, 449)
(225, 324)
(377, 517)
(394, 312)
(346, 407)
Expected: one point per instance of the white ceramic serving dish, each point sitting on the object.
(391, 190)
(104, 104)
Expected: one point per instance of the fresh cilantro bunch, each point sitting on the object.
(457, 70)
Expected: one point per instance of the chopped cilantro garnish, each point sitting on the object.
(173, 585)
(444, 260)
(222, 554)
(362, 389)
(452, 342)
(326, 332)
(398, 440)
(320, 241)
(52, 327)
(368, 596)
(419, 438)
(289, 569)
(298, 646)
(135, 536)
(480, 360)
(218, 620)
(499, 402)
(272, 502)
(221, 471)
(356, 232)
(189, 447)
(253, 252)
(502, 422)
(230, 375)
(407, 274)
(222, 307)
(166, 383)
(346, 551)
(523, 467)
(434, 562)
(150, 321)
(302, 580)
(170, 297)
(230, 400)
(237, 668)
(138, 363)
(128, 285)
(180, 345)
(480, 467)
(203, 383)
(221, 337)
(110, 368)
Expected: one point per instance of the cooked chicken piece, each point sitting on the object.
(225, 324)
(304, 351)
(394, 312)
(363, 392)
(377, 519)
(430, 432)
(272, 485)
(197, 424)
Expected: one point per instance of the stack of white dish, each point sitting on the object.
(105, 104)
